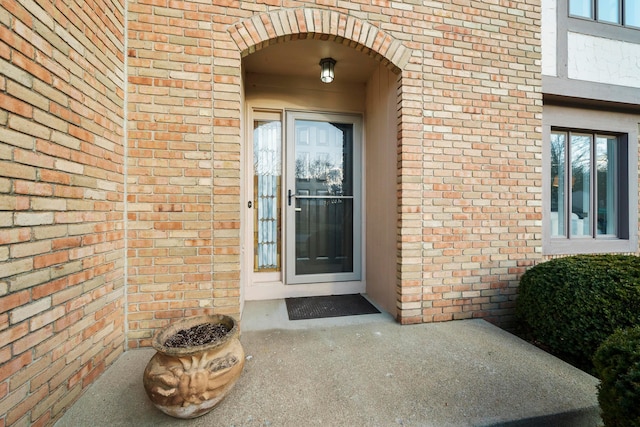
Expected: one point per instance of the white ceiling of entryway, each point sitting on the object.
(302, 58)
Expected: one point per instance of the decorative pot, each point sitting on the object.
(188, 381)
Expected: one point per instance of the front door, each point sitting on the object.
(323, 198)
(306, 199)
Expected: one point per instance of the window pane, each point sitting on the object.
(558, 179)
(609, 11)
(580, 184)
(632, 13)
(606, 161)
(267, 177)
(324, 190)
(581, 8)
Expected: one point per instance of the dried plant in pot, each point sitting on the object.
(197, 363)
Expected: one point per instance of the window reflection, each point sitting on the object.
(606, 158)
(587, 182)
(323, 152)
(609, 11)
(324, 202)
(558, 154)
(625, 12)
(581, 8)
(632, 13)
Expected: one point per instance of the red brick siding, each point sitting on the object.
(469, 161)
(171, 166)
(61, 202)
(469, 165)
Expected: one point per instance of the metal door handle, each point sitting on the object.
(290, 196)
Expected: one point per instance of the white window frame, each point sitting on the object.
(555, 117)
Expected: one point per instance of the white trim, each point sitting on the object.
(252, 289)
(247, 217)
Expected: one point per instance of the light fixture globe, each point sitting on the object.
(327, 72)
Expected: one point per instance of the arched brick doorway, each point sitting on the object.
(280, 53)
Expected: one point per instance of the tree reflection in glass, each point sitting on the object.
(558, 156)
(580, 184)
(606, 158)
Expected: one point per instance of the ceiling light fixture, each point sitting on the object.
(327, 73)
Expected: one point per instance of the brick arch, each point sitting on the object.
(266, 29)
(260, 31)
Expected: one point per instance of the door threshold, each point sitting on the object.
(272, 314)
(278, 290)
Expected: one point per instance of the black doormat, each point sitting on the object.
(328, 306)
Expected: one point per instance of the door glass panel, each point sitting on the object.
(324, 235)
(267, 181)
(558, 156)
(580, 185)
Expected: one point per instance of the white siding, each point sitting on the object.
(601, 60)
(549, 37)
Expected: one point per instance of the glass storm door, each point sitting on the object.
(322, 200)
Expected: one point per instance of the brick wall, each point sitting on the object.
(469, 180)
(469, 159)
(470, 150)
(172, 167)
(61, 202)
(481, 159)
(469, 167)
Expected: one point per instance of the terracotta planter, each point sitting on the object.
(188, 382)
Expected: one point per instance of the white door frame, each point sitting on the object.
(264, 286)
(292, 211)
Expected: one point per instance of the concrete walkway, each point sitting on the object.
(365, 371)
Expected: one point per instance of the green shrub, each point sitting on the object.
(617, 363)
(571, 305)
